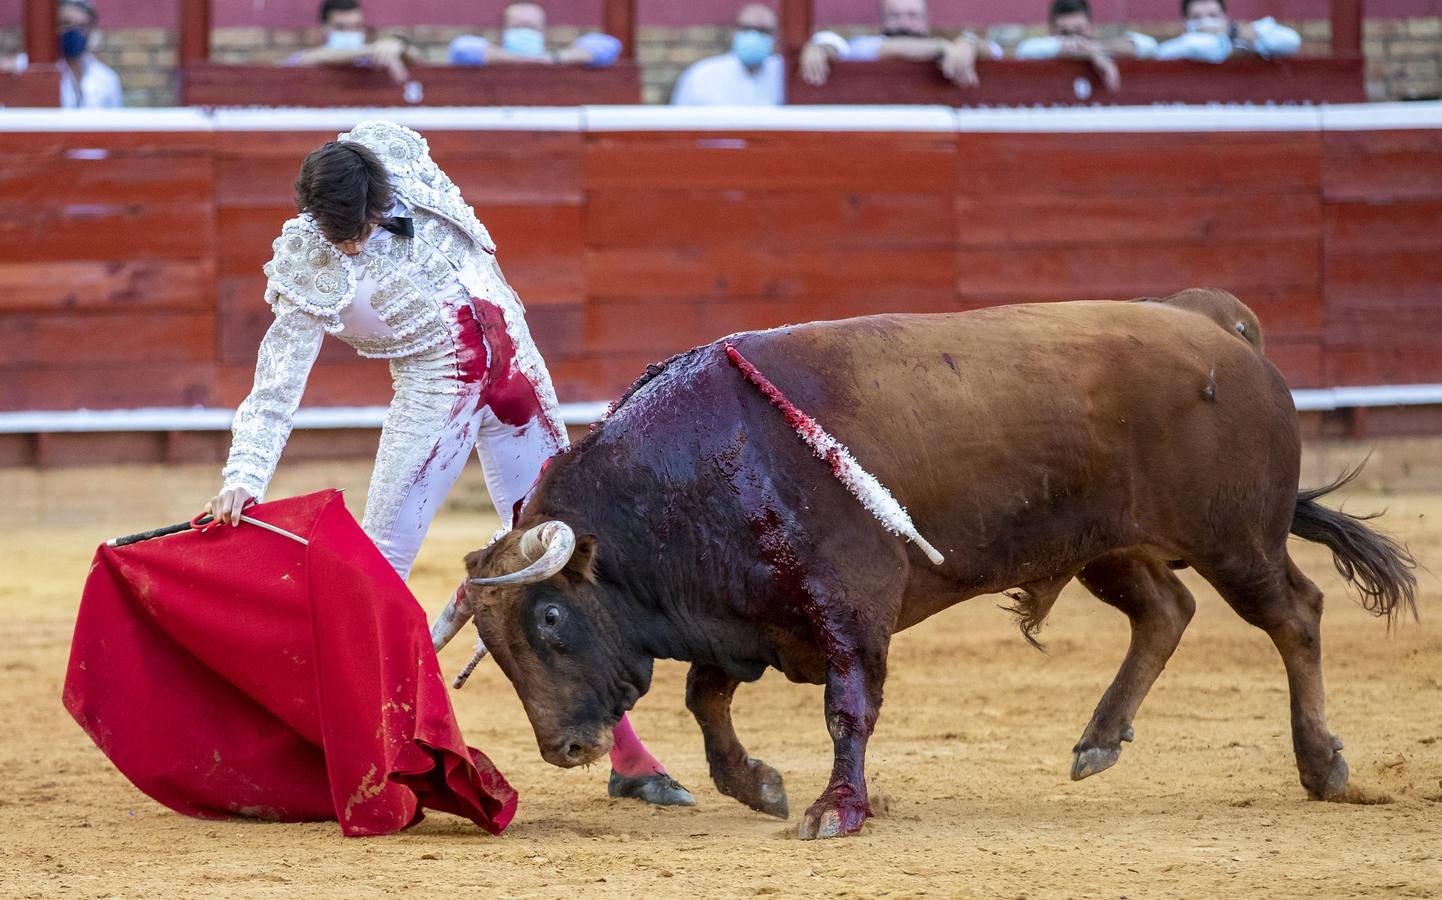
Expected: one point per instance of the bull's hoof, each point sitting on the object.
(1336, 787)
(758, 786)
(828, 819)
(660, 790)
(1089, 762)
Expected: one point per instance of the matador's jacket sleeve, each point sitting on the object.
(308, 284)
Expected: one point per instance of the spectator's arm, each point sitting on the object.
(1198, 46)
(685, 93)
(1269, 39)
(817, 55)
(1048, 47)
(14, 65)
(914, 48)
(594, 50)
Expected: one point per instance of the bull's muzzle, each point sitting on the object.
(576, 749)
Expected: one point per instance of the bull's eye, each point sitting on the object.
(1241, 328)
(552, 616)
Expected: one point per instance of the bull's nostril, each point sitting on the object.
(574, 751)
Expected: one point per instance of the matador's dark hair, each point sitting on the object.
(344, 187)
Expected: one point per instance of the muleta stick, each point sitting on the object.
(862, 484)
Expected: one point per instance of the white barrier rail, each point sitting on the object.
(197, 418)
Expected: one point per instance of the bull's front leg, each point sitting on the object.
(854, 676)
(708, 695)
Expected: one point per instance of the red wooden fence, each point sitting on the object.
(130, 260)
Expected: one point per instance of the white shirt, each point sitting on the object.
(98, 87)
(724, 81)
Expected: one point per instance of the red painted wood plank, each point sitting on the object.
(113, 385)
(870, 163)
(1384, 166)
(1362, 227)
(83, 287)
(106, 231)
(1382, 278)
(64, 338)
(996, 167)
(1118, 270)
(732, 270)
(613, 325)
(170, 144)
(642, 218)
(356, 382)
(1003, 221)
(37, 180)
(1300, 360)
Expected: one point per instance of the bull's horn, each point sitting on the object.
(451, 620)
(550, 544)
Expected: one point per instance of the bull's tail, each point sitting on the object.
(1378, 567)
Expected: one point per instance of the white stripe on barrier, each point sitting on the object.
(601, 119)
(197, 418)
(161, 418)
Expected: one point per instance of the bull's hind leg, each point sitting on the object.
(1159, 607)
(708, 695)
(1283, 602)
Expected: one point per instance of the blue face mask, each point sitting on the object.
(72, 42)
(524, 42)
(752, 47)
(345, 40)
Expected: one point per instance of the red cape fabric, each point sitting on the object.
(235, 672)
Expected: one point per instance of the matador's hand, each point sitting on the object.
(228, 504)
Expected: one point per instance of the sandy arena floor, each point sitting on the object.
(968, 767)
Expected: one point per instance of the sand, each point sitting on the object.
(968, 768)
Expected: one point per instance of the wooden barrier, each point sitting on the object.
(219, 84)
(1009, 82)
(131, 270)
(37, 86)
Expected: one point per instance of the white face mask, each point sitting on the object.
(1207, 23)
(345, 40)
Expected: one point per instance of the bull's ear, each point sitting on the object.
(582, 564)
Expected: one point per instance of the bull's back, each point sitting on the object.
(1007, 426)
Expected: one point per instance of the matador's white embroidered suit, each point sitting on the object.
(465, 370)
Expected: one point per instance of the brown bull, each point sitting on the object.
(1108, 442)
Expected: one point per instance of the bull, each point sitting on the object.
(1107, 442)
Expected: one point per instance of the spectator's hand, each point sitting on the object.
(1245, 32)
(389, 53)
(815, 64)
(1076, 47)
(958, 62)
(227, 505)
(8, 65)
(1106, 69)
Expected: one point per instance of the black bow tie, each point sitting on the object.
(401, 226)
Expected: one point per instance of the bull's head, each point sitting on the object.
(542, 613)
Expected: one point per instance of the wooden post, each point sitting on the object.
(194, 31)
(41, 42)
(619, 21)
(1347, 28)
(798, 22)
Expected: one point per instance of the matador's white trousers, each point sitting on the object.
(447, 400)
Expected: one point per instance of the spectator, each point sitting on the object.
(1073, 37)
(523, 40)
(905, 34)
(85, 82)
(1212, 35)
(752, 74)
(344, 24)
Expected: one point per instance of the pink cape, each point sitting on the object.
(238, 673)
